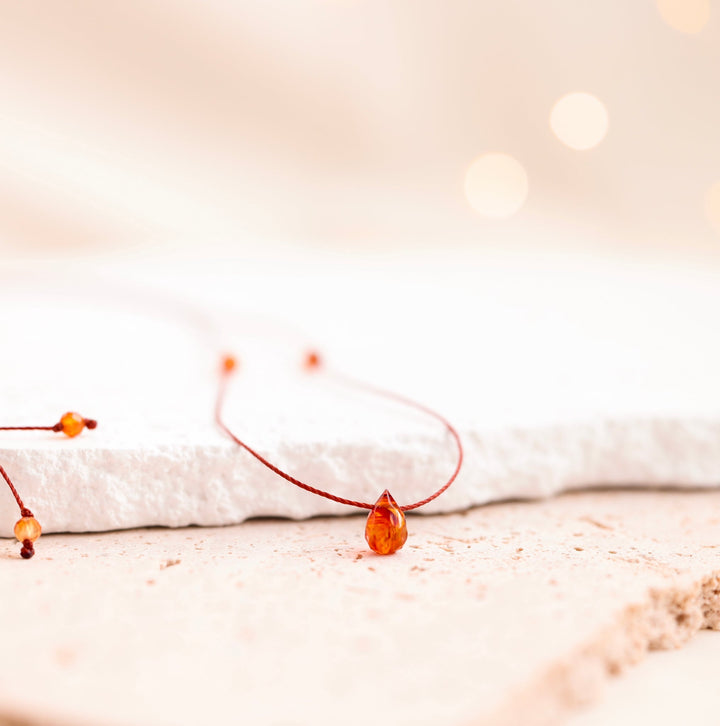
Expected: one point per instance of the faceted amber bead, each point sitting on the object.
(27, 528)
(386, 531)
(72, 424)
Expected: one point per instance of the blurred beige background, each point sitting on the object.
(224, 126)
(216, 132)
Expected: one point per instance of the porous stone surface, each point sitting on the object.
(559, 373)
(666, 689)
(509, 614)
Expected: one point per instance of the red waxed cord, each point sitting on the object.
(57, 428)
(313, 362)
(32, 428)
(89, 423)
(24, 511)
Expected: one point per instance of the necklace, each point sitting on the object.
(386, 528)
(27, 528)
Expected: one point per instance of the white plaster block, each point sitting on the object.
(559, 373)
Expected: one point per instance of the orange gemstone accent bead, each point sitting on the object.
(27, 528)
(386, 531)
(312, 360)
(229, 363)
(72, 424)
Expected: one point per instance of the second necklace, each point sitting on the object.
(386, 529)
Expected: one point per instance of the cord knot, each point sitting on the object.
(28, 549)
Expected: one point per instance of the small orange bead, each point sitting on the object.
(27, 528)
(72, 424)
(386, 531)
(229, 363)
(312, 360)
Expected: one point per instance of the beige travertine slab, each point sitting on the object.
(507, 614)
(668, 688)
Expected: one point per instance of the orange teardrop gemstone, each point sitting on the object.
(386, 531)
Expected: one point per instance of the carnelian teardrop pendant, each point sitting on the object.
(386, 531)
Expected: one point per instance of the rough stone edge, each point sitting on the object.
(668, 619)
(223, 486)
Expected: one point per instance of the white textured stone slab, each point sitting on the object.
(559, 373)
(506, 615)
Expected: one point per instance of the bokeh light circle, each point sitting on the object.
(687, 16)
(579, 120)
(496, 185)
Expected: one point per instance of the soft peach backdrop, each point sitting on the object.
(227, 125)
